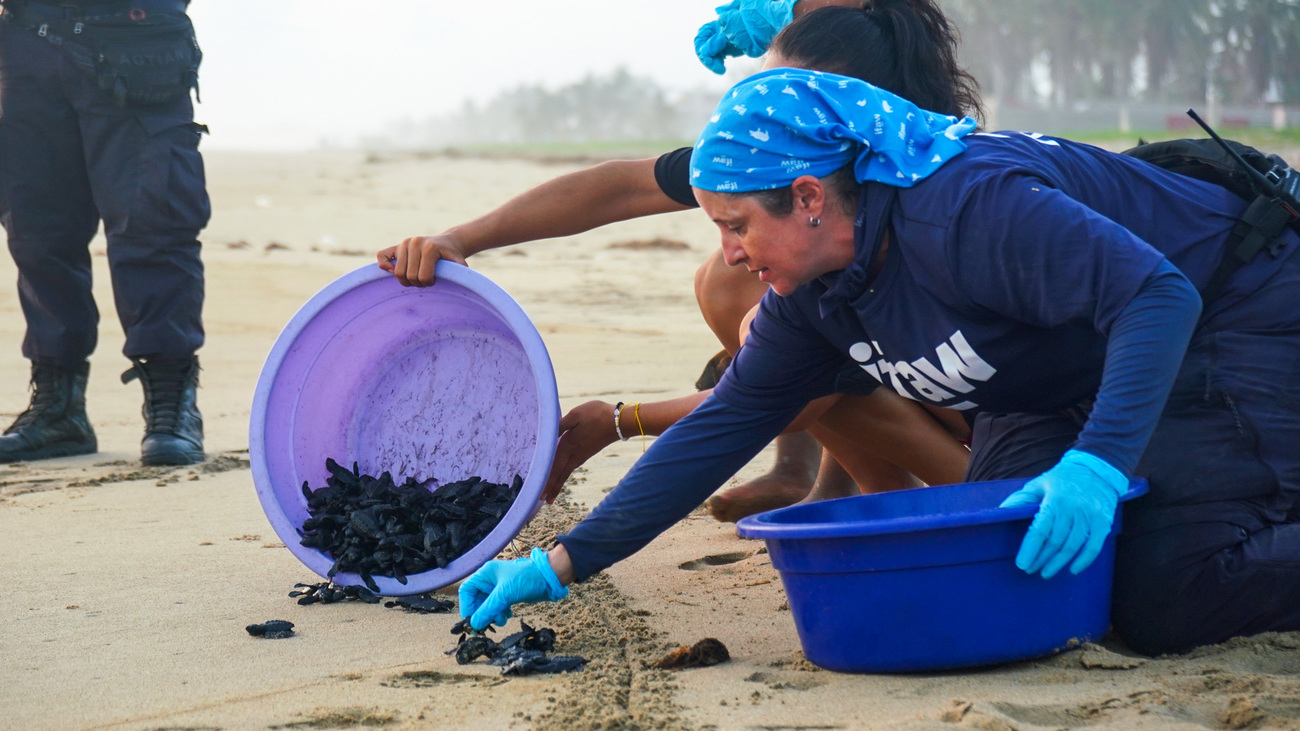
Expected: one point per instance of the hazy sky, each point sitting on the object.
(291, 73)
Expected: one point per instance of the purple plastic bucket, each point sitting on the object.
(925, 579)
(436, 383)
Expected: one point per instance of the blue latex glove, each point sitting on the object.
(1079, 497)
(711, 47)
(744, 27)
(487, 595)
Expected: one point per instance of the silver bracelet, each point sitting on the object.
(617, 410)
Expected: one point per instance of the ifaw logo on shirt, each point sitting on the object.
(959, 364)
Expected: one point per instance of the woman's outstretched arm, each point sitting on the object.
(570, 204)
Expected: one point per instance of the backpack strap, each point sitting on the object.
(1265, 218)
(1272, 187)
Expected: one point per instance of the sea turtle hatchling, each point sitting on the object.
(518, 661)
(327, 592)
(421, 604)
(275, 629)
(522, 653)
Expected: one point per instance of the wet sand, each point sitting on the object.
(129, 587)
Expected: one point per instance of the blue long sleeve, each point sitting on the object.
(679, 471)
(1147, 343)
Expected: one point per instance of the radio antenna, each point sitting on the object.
(1260, 179)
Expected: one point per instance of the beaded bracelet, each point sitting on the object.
(617, 409)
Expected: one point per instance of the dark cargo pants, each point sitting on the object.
(1213, 551)
(69, 158)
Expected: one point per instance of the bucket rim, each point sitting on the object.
(766, 526)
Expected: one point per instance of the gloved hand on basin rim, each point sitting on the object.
(1079, 497)
(487, 595)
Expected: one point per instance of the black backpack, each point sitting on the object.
(1271, 186)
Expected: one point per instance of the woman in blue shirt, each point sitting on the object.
(1044, 288)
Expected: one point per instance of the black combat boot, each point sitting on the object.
(55, 424)
(173, 426)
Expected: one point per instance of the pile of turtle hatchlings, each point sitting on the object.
(372, 526)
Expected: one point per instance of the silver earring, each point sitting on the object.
(814, 221)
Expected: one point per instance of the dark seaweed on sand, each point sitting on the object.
(373, 527)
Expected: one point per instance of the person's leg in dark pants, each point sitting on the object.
(49, 215)
(1007, 446)
(148, 182)
(45, 200)
(1197, 583)
(1214, 550)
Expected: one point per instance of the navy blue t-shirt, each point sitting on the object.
(1005, 275)
(1008, 268)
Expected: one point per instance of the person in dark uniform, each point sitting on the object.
(1048, 289)
(98, 125)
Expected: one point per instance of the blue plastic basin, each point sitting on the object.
(926, 579)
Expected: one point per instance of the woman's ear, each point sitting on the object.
(809, 194)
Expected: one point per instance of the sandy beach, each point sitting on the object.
(128, 588)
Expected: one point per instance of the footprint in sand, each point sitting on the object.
(430, 679)
(787, 680)
(719, 559)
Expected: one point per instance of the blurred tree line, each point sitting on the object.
(1242, 51)
(1040, 53)
(617, 106)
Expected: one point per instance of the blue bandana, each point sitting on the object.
(778, 125)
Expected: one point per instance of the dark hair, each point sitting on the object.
(906, 47)
(840, 184)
